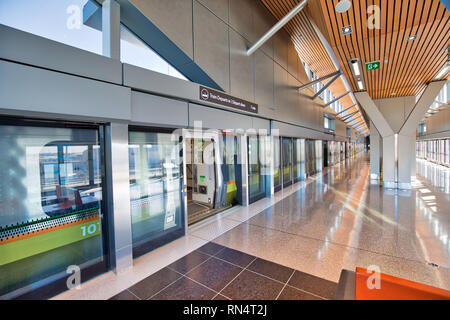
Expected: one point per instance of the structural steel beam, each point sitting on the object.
(327, 85)
(280, 24)
(349, 116)
(366, 102)
(337, 114)
(309, 84)
(337, 99)
(353, 121)
(426, 100)
(357, 123)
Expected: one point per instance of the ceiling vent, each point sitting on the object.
(343, 6)
(347, 30)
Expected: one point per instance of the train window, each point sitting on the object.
(50, 206)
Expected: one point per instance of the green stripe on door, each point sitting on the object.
(17, 250)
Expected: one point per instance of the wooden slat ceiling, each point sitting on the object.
(308, 45)
(406, 67)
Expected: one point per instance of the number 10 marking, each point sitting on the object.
(91, 229)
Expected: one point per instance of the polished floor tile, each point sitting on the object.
(320, 287)
(125, 295)
(211, 248)
(235, 257)
(252, 286)
(290, 293)
(189, 262)
(220, 297)
(218, 279)
(185, 289)
(214, 273)
(155, 283)
(271, 270)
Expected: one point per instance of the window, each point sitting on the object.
(58, 20)
(134, 51)
(51, 185)
(328, 122)
(440, 100)
(422, 128)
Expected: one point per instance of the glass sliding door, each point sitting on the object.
(299, 160)
(277, 164)
(286, 148)
(447, 152)
(318, 154)
(230, 166)
(310, 152)
(256, 169)
(155, 181)
(52, 217)
(325, 154)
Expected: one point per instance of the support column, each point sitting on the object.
(111, 29)
(406, 159)
(375, 154)
(413, 158)
(119, 208)
(389, 162)
(398, 145)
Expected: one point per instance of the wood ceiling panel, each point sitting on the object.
(307, 42)
(410, 64)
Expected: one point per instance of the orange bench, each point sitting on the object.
(354, 286)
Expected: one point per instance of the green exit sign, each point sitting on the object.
(373, 66)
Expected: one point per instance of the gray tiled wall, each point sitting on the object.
(216, 34)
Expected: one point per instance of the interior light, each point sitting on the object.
(347, 30)
(355, 66)
(411, 38)
(343, 6)
(360, 85)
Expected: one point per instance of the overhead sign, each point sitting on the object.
(373, 66)
(223, 99)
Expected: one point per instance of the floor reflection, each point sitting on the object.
(341, 221)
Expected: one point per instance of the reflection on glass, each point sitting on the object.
(50, 205)
(277, 163)
(287, 160)
(229, 153)
(299, 159)
(256, 178)
(310, 156)
(155, 183)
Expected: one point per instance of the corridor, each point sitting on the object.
(334, 221)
